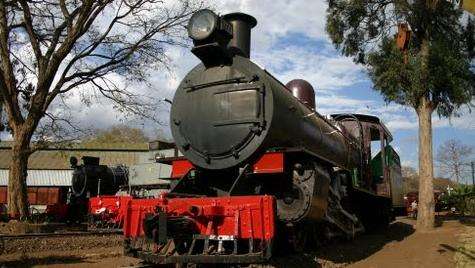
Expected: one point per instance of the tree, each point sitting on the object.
(119, 133)
(52, 49)
(1, 115)
(453, 158)
(410, 179)
(428, 69)
(408, 171)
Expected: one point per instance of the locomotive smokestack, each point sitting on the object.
(242, 24)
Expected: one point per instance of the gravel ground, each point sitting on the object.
(465, 252)
(60, 251)
(450, 245)
(30, 245)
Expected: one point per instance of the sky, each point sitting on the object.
(290, 42)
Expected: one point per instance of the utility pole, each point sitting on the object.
(473, 172)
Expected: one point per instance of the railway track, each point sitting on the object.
(6, 238)
(60, 234)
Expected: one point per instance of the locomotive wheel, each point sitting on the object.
(295, 202)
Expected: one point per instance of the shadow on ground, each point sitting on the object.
(344, 252)
(468, 253)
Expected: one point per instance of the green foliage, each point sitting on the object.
(411, 184)
(396, 81)
(436, 64)
(469, 37)
(462, 198)
(118, 134)
(451, 82)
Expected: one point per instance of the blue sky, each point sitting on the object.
(358, 95)
(290, 42)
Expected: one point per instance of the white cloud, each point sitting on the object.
(401, 124)
(277, 18)
(409, 163)
(5, 136)
(321, 65)
(322, 71)
(465, 122)
(400, 117)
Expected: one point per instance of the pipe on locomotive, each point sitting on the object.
(240, 44)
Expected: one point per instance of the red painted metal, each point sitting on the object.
(54, 198)
(39, 195)
(270, 163)
(109, 208)
(48, 195)
(3, 195)
(180, 167)
(243, 217)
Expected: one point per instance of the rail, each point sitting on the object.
(60, 234)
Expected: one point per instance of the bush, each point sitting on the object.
(462, 198)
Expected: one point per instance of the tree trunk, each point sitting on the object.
(17, 191)
(457, 172)
(426, 206)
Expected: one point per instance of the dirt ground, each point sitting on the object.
(452, 244)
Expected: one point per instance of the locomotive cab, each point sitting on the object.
(374, 139)
(380, 170)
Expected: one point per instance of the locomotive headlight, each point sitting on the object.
(202, 24)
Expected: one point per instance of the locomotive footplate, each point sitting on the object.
(233, 229)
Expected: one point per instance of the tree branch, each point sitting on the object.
(7, 77)
(28, 21)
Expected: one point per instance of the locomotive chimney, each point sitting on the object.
(242, 24)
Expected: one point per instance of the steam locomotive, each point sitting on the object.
(92, 185)
(261, 166)
(99, 193)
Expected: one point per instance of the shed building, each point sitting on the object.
(49, 172)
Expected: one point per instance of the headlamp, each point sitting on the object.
(202, 24)
(211, 35)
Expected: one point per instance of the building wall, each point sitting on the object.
(42, 177)
(50, 167)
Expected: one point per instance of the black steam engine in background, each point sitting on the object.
(90, 179)
(339, 175)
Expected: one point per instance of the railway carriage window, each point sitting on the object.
(377, 162)
(375, 148)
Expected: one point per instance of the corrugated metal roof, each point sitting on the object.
(57, 155)
(60, 159)
(121, 146)
(42, 177)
